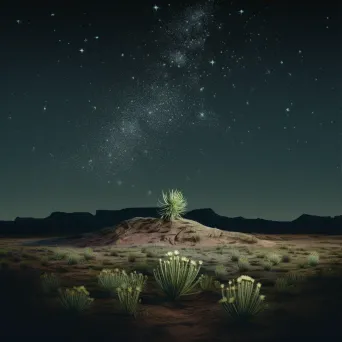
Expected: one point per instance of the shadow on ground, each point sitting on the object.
(25, 314)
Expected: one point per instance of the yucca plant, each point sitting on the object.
(110, 280)
(50, 282)
(173, 205)
(241, 299)
(177, 275)
(206, 282)
(129, 298)
(75, 300)
(274, 258)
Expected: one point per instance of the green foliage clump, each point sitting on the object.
(313, 259)
(235, 255)
(73, 259)
(274, 258)
(220, 271)
(243, 265)
(177, 275)
(50, 282)
(173, 205)
(206, 282)
(110, 280)
(75, 300)
(241, 299)
(129, 298)
(88, 254)
(267, 265)
(59, 254)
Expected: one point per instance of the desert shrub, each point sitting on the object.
(282, 285)
(274, 258)
(113, 253)
(73, 259)
(243, 265)
(206, 282)
(59, 254)
(172, 206)
(220, 271)
(241, 299)
(285, 258)
(44, 261)
(129, 298)
(151, 254)
(196, 238)
(313, 259)
(132, 257)
(267, 266)
(235, 255)
(110, 280)
(294, 277)
(88, 254)
(177, 275)
(75, 300)
(50, 282)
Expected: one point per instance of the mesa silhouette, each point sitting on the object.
(62, 223)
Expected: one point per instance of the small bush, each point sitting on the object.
(282, 285)
(50, 282)
(110, 280)
(274, 258)
(75, 300)
(58, 254)
(267, 266)
(177, 275)
(294, 277)
(44, 261)
(151, 254)
(132, 257)
(220, 271)
(113, 253)
(241, 299)
(129, 298)
(88, 254)
(243, 265)
(235, 255)
(206, 282)
(73, 259)
(313, 259)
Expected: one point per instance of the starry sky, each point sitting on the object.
(107, 103)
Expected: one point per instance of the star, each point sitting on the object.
(241, 11)
(52, 14)
(19, 21)
(81, 50)
(156, 8)
(212, 62)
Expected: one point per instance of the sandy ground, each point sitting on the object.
(309, 310)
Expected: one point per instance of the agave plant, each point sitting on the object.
(173, 205)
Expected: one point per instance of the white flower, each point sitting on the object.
(176, 252)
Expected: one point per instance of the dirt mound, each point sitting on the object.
(144, 231)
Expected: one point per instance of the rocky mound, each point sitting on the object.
(144, 231)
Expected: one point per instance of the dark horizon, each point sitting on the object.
(237, 104)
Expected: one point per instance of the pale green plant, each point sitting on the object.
(267, 265)
(76, 299)
(283, 285)
(313, 259)
(129, 298)
(177, 275)
(235, 255)
(73, 259)
(50, 282)
(294, 277)
(241, 299)
(220, 271)
(110, 280)
(88, 254)
(243, 265)
(206, 282)
(173, 205)
(274, 258)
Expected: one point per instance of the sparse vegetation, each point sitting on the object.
(177, 275)
(88, 254)
(235, 255)
(50, 282)
(241, 299)
(129, 298)
(76, 299)
(172, 206)
(243, 265)
(206, 282)
(313, 259)
(73, 259)
(274, 258)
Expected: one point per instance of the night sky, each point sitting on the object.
(106, 104)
